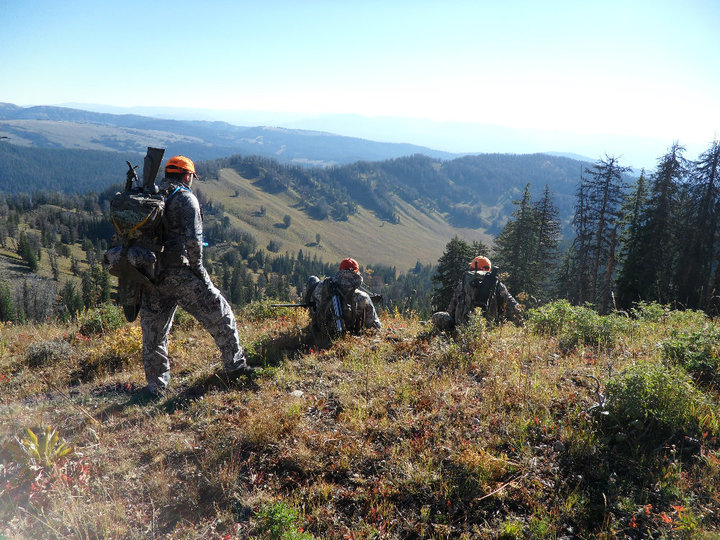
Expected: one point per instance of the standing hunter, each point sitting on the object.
(183, 281)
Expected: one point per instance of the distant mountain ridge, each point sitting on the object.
(61, 127)
(411, 203)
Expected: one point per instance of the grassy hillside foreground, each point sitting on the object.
(577, 426)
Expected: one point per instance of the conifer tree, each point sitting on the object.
(631, 248)
(548, 238)
(71, 302)
(516, 245)
(597, 214)
(693, 274)
(578, 256)
(7, 306)
(27, 252)
(658, 226)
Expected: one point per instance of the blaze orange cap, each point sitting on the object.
(480, 263)
(350, 264)
(179, 164)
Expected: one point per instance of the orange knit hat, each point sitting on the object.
(480, 263)
(179, 164)
(350, 264)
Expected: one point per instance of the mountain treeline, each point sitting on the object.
(472, 191)
(28, 169)
(654, 240)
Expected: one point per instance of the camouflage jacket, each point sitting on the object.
(358, 309)
(183, 228)
(501, 306)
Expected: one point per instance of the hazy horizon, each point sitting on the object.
(612, 77)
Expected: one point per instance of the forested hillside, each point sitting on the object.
(472, 192)
(28, 170)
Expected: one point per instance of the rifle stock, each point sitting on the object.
(151, 166)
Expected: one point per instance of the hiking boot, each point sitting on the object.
(239, 368)
(155, 392)
(148, 394)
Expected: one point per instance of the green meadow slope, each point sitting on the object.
(417, 237)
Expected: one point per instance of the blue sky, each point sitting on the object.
(648, 70)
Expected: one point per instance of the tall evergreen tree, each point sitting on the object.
(7, 306)
(658, 228)
(577, 259)
(606, 191)
(547, 238)
(693, 274)
(515, 247)
(632, 254)
(71, 302)
(27, 252)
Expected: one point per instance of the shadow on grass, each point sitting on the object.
(273, 350)
(216, 381)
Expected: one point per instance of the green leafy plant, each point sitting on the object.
(649, 312)
(102, 319)
(184, 321)
(696, 351)
(45, 451)
(552, 318)
(659, 402)
(261, 310)
(278, 521)
(577, 325)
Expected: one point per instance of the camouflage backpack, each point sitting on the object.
(137, 215)
(478, 287)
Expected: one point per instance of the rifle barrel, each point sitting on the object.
(290, 305)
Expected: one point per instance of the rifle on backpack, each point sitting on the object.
(151, 166)
(136, 214)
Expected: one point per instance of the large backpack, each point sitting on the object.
(478, 289)
(137, 215)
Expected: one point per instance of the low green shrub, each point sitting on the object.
(261, 310)
(696, 351)
(102, 319)
(184, 321)
(552, 318)
(278, 521)
(577, 325)
(686, 318)
(652, 402)
(649, 312)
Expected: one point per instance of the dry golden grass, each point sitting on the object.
(402, 434)
(420, 236)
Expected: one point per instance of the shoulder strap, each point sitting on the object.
(178, 188)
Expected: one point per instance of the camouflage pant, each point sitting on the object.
(200, 298)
